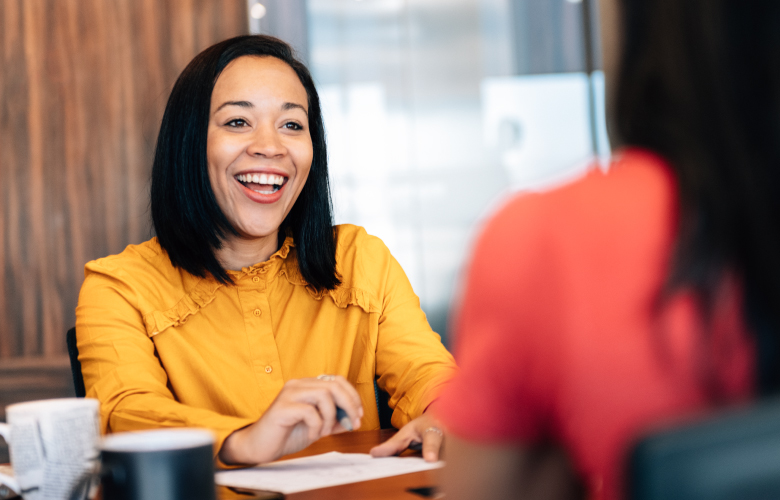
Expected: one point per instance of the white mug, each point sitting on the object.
(54, 447)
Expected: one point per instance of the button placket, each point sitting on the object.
(264, 351)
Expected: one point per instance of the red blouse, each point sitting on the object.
(562, 334)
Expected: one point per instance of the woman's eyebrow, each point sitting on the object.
(291, 105)
(246, 104)
(242, 104)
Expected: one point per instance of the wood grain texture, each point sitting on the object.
(34, 378)
(83, 85)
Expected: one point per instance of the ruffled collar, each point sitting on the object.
(282, 263)
(269, 267)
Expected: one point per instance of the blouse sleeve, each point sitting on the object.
(411, 362)
(121, 368)
(506, 331)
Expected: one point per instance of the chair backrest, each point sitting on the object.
(734, 455)
(75, 364)
(383, 407)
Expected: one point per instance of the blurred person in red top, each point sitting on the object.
(639, 297)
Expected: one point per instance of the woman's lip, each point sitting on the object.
(262, 197)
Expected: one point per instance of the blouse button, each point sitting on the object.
(256, 279)
(257, 312)
(269, 369)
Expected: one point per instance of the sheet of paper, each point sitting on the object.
(321, 471)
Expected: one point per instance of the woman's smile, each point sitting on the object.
(262, 187)
(259, 183)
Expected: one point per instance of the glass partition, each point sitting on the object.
(437, 109)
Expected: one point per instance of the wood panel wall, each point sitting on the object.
(83, 84)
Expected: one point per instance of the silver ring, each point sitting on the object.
(433, 429)
(326, 378)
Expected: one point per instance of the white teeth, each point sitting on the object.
(266, 179)
(271, 190)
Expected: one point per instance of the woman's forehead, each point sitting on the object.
(250, 78)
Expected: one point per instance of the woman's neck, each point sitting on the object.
(237, 252)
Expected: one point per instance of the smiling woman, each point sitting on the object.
(250, 313)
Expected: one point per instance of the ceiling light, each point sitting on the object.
(257, 11)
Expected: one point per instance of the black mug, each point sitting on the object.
(164, 464)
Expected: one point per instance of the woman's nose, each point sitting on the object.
(267, 143)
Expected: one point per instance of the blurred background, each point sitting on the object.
(434, 110)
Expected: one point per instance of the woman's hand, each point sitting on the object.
(303, 412)
(424, 429)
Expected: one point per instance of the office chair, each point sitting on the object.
(383, 407)
(732, 456)
(75, 364)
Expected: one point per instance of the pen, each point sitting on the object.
(343, 419)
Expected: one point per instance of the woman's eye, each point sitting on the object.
(237, 122)
(292, 126)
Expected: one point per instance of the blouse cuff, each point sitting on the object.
(232, 424)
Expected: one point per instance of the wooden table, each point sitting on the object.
(389, 488)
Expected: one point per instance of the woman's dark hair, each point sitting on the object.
(187, 219)
(699, 83)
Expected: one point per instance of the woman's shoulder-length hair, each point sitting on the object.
(188, 222)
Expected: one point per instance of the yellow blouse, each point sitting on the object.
(160, 347)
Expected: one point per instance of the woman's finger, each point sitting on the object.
(346, 402)
(313, 420)
(350, 390)
(432, 438)
(344, 395)
(285, 428)
(323, 400)
(326, 395)
(395, 445)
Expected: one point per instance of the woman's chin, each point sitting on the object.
(258, 235)
(252, 235)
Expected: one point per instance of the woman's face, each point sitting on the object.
(259, 147)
